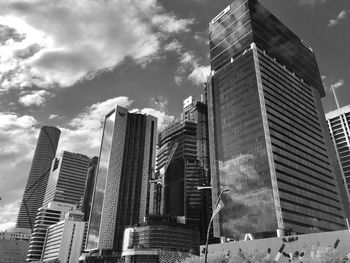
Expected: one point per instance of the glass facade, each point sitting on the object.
(241, 156)
(269, 142)
(306, 180)
(96, 211)
(245, 22)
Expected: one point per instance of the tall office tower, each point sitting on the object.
(269, 141)
(89, 188)
(121, 193)
(34, 191)
(181, 198)
(339, 127)
(46, 216)
(64, 240)
(67, 179)
(187, 168)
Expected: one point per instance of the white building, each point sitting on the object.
(46, 216)
(65, 240)
(339, 127)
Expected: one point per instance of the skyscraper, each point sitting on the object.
(34, 191)
(122, 185)
(269, 142)
(181, 198)
(339, 127)
(89, 188)
(67, 179)
(188, 168)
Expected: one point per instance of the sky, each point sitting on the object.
(66, 63)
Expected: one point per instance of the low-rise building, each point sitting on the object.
(65, 239)
(159, 240)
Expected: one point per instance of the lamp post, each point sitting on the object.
(211, 219)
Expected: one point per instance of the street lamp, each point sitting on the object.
(216, 211)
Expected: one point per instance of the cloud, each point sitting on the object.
(178, 80)
(18, 135)
(63, 42)
(200, 74)
(53, 116)
(163, 118)
(311, 3)
(84, 132)
(338, 84)
(341, 16)
(330, 83)
(159, 103)
(36, 98)
(8, 33)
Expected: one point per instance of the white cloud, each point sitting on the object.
(67, 41)
(163, 118)
(311, 2)
(53, 116)
(341, 16)
(18, 135)
(85, 131)
(200, 74)
(34, 98)
(338, 84)
(173, 46)
(328, 83)
(7, 225)
(8, 215)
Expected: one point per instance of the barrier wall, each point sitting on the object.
(310, 244)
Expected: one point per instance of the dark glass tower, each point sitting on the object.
(34, 192)
(121, 192)
(269, 141)
(89, 188)
(187, 169)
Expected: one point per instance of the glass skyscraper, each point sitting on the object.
(124, 168)
(34, 191)
(269, 142)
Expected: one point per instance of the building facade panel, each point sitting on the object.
(268, 142)
(121, 191)
(34, 191)
(241, 151)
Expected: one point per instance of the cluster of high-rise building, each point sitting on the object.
(259, 131)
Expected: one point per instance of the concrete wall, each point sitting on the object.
(308, 243)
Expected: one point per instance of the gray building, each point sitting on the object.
(67, 179)
(187, 169)
(121, 192)
(34, 191)
(269, 141)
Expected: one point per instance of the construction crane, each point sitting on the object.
(196, 67)
(160, 180)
